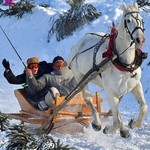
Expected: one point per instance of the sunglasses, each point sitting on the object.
(59, 64)
(32, 66)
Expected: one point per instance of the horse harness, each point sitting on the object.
(111, 52)
(137, 20)
(112, 55)
(109, 55)
(139, 56)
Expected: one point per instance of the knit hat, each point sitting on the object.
(33, 60)
(58, 58)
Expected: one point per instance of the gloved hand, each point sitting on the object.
(6, 64)
(144, 55)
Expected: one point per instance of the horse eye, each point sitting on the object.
(128, 21)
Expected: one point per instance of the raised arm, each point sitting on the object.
(11, 78)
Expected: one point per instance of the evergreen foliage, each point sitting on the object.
(4, 123)
(77, 16)
(19, 138)
(144, 4)
(18, 9)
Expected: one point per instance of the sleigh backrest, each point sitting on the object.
(25, 105)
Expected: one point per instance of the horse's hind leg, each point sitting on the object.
(138, 93)
(96, 124)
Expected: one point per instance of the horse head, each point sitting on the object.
(133, 24)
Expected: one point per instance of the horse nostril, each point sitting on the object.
(143, 40)
(138, 40)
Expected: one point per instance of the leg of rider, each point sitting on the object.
(42, 105)
(47, 101)
(51, 95)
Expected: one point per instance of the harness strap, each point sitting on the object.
(139, 57)
(97, 47)
(81, 53)
(111, 45)
(91, 74)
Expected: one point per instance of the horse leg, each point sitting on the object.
(96, 124)
(124, 132)
(109, 113)
(139, 95)
(117, 120)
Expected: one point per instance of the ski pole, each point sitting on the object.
(13, 46)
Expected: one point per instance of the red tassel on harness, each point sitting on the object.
(111, 44)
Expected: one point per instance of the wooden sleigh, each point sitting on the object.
(76, 110)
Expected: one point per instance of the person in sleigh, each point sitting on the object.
(37, 68)
(61, 81)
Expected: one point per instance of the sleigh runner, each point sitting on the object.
(76, 110)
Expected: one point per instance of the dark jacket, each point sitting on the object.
(64, 82)
(22, 79)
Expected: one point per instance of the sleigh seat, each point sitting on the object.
(75, 110)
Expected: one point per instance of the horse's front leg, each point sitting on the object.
(96, 124)
(117, 120)
(139, 95)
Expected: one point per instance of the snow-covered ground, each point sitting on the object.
(29, 36)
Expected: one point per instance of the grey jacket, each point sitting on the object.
(64, 82)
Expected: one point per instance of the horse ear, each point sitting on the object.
(124, 6)
(136, 5)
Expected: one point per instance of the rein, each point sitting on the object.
(91, 74)
(96, 48)
(96, 69)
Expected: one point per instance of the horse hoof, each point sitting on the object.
(96, 127)
(131, 124)
(105, 130)
(125, 134)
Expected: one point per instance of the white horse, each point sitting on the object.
(121, 75)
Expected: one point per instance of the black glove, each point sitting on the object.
(6, 64)
(144, 55)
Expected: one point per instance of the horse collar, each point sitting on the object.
(116, 62)
(131, 67)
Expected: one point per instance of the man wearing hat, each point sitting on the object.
(37, 68)
(61, 81)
